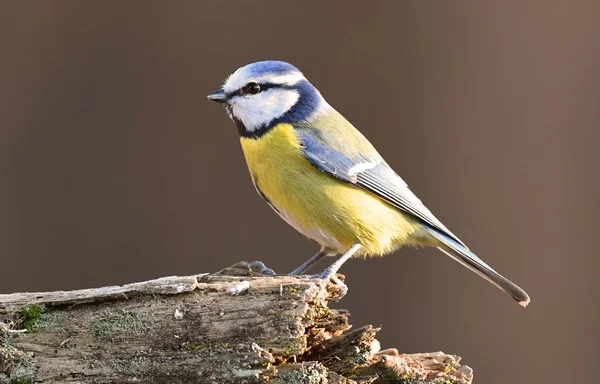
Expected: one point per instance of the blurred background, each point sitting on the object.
(115, 168)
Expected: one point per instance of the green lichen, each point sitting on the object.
(307, 374)
(318, 313)
(5, 336)
(29, 317)
(415, 380)
(322, 312)
(131, 366)
(21, 381)
(192, 348)
(16, 366)
(291, 346)
(291, 377)
(448, 368)
(200, 347)
(292, 291)
(128, 322)
(360, 358)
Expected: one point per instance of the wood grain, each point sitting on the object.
(191, 330)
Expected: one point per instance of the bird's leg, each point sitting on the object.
(312, 261)
(330, 272)
(260, 267)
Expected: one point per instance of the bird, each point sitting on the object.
(325, 179)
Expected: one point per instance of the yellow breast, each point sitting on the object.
(329, 211)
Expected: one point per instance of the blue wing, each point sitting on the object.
(370, 173)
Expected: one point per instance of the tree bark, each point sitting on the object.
(210, 328)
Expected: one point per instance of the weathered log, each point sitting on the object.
(192, 330)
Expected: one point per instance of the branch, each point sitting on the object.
(191, 329)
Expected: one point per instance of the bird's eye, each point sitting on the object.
(252, 88)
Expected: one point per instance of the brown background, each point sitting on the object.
(115, 168)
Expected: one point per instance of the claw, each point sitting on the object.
(249, 269)
(260, 267)
(330, 273)
(337, 286)
(341, 287)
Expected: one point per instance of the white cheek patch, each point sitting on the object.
(255, 111)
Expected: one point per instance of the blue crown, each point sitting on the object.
(270, 67)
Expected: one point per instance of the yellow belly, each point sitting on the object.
(331, 212)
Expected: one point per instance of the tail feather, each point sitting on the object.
(467, 258)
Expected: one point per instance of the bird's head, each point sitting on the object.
(263, 94)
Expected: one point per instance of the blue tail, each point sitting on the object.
(467, 258)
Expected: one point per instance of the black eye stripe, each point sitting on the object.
(263, 87)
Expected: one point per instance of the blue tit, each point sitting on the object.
(325, 179)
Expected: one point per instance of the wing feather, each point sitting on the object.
(370, 173)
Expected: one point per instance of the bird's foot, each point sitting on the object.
(337, 286)
(260, 267)
(245, 268)
(330, 273)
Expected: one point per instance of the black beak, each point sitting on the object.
(218, 96)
